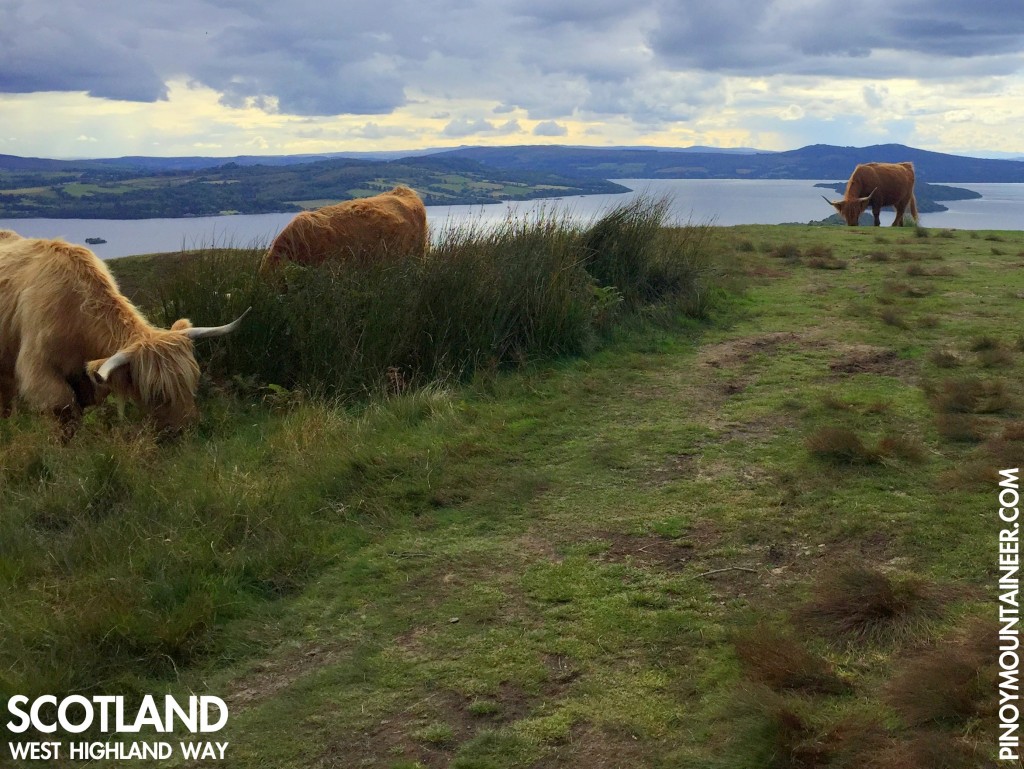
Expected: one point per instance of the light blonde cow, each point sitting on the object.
(68, 338)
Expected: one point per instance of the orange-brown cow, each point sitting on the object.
(878, 185)
(68, 338)
(394, 222)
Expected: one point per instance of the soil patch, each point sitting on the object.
(595, 748)
(669, 553)
(865, 359)
(737, 351)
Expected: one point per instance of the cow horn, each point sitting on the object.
(829, 201)
(871, 195)
(207, 332)
(115, 361)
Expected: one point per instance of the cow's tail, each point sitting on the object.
(913, 209)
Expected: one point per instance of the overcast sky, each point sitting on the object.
(225, 77)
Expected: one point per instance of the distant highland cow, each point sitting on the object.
(393, 223)
(878, 185)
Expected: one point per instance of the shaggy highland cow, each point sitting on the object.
(394, 223)
(878, 185)
(68, 338)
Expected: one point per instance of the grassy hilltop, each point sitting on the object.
(730, 507)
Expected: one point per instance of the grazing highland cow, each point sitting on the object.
(394, 222)
(68, 338)
(878, 185)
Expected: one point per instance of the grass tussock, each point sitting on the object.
(1013, 431)
(896, 288)
(904, 447)
(788, 251)
(827, 262)
(985, 342)
(779, 661)
(841, 446)
(925, 750)
(863, 605)
(482, 298)
(772, 732)
(944, 357)
(971, 396)
(891, 316)
(960, 428)
(950, 684)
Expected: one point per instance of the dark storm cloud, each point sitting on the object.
(56, 50)
(826, 38)
(658, 59)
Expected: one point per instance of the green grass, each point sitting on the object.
(571, 563)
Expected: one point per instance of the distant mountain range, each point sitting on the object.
(817, 161)
(143, 187)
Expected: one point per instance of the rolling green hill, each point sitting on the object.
(99, 190)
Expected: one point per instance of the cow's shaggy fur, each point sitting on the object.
(878, 185)
(393, 223)
(62, 317)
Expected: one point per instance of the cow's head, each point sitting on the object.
(158, 371)
(851, 208)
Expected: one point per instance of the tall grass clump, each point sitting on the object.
(482, 298)
(632, 249)
(861, 604)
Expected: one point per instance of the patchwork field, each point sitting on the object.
(765, 539)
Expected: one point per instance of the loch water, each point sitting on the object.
(720, 202)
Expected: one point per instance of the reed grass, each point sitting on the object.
(482, 298)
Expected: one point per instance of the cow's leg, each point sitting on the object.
(898, 221)
(877, 211)
(46, 389)
(7, 392)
